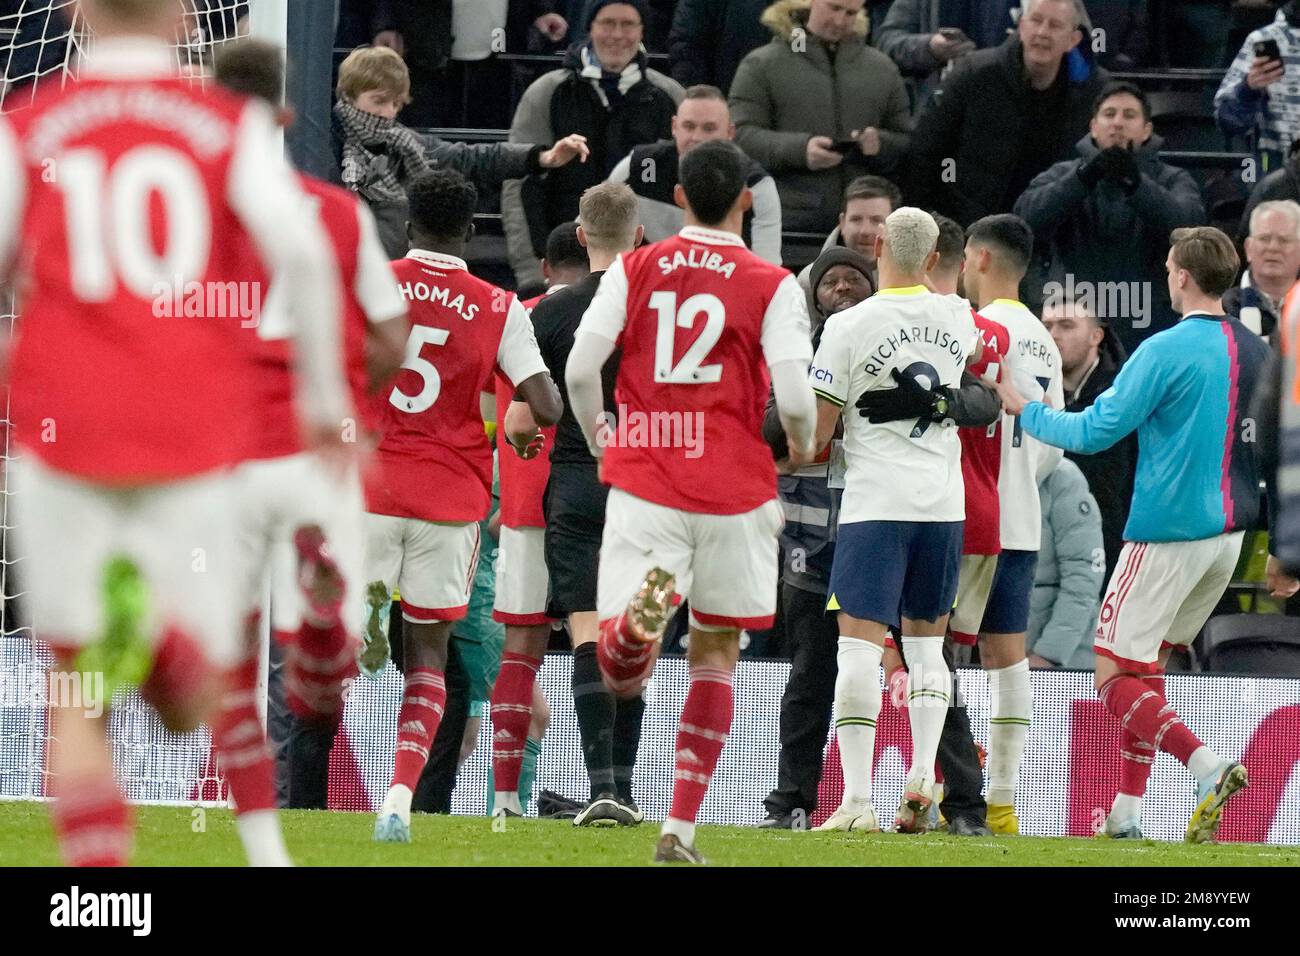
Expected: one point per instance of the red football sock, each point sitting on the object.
(93, 822)
(701, 732)
(621, 655)
(512, 711)
(1135, 754)
(321, 660)
(423, 698)
(1143, 711)
(240, 742)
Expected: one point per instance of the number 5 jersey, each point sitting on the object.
(434, 461)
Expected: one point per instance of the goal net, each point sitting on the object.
(43, 42)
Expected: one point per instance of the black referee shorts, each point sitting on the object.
(575, 520)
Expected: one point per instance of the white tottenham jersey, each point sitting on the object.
(1036, 368)
(905, 470)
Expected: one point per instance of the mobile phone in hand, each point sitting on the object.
(957, 35)
(1268, 50)
(845, 145)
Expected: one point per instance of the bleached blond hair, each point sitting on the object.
(910, 236)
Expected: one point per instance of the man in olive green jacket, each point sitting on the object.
(817, 107)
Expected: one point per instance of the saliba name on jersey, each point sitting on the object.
(424, 292)
(926, 334)
(697, 258)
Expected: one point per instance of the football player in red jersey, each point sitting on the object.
(701, 322)
(519, 709)
(432, 480)
(301, 523)
(129, 414)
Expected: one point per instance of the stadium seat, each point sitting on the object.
(1185, 121)
(1263, 644)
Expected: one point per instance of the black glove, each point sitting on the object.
(908, 400)
(1122, 168)
(1093, 171)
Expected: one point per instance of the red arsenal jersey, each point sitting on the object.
(434, 461)
(523, 483)
(368, 293)
(128, 199)
(981, 449)
(699, 319)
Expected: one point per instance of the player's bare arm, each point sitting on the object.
(385, 348)
(828, 416)
(543, 399)
(796, 406)
(522, 431)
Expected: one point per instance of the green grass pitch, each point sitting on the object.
(186, 836)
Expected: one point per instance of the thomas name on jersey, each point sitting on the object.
(424, 292)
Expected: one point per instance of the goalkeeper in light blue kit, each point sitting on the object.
(1187, 392)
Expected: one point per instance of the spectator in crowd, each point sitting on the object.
(651, 171)
(1273, 263)
(922, 37)
(817, 107)
(1121, 27)
(1090, 359)
(1068, 578)
(1281, 183)
(1260, 95)
(842, 279)
(710, 37)
(604, 91)
(378, 156)
(1004, 115)
(1102, 222)
(868, 201)
(657, 15)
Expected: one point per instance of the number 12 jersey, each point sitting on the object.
(699, 319)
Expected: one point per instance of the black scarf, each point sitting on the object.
(379, 155)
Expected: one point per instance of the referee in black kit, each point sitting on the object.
(575, 516)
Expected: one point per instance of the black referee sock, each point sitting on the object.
(594, 705)
(627, 738)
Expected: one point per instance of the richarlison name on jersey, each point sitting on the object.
(923, 334)
(697, 258)
(424, 292)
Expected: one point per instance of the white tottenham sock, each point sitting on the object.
(259, 831)
(857, 705)
(929, 690)
(1011, 701)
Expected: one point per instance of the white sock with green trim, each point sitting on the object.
(857, 705)
(929, 689)
(1011, 701)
